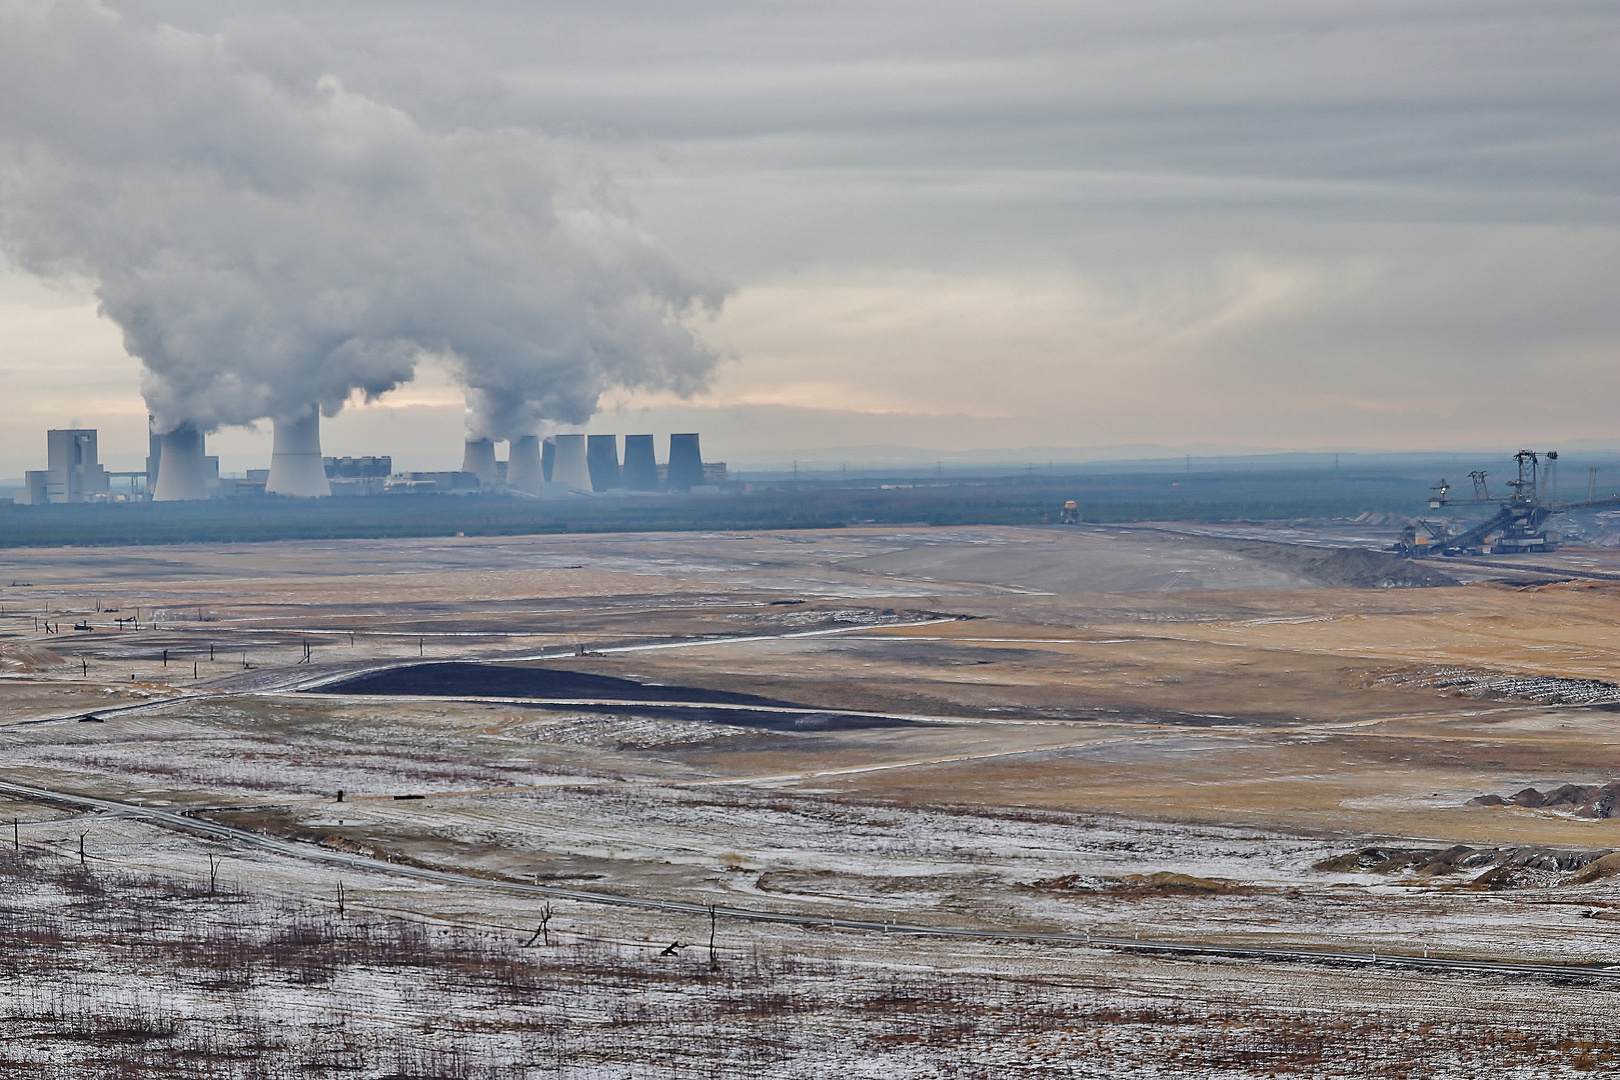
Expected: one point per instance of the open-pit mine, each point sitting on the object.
(888, 802)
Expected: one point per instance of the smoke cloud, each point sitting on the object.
(269, 242)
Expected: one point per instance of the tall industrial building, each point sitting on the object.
(71, 470)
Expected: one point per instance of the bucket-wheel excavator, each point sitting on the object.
(1519, 524)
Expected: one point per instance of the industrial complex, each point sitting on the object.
(179, 468)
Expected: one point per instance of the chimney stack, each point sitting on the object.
(640, 466)
(685, 462)
(295, 459)
(569, 466)
(602, 456)
(181, 472)
(523, 471)
(479, 459)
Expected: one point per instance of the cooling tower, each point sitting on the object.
(523, 471)
(479, 459)
(295, 459)
(181, 472)
(569, 466)
(602, 455)
(640, 467)
(685, 462)
(548, 454)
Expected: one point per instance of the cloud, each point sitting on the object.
(1343, 223)
(267, 245)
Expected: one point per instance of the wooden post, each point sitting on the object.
(81, 849)
(16, 836)
(713, 962)
(340, 899)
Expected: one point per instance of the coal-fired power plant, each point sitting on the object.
(640, 471)
(295, 459)
(523, 468)
(479, 459)
(602, 457)
(569, 467)
(179, 468)
(182, 473)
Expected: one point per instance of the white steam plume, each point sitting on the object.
(267, 246)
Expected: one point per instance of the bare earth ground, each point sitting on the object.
(1107, 731)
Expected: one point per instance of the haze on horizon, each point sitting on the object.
(969, 226)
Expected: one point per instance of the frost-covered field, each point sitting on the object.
(125, 972)
(1182, 765)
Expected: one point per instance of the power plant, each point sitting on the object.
(72, 472)
(178, 468)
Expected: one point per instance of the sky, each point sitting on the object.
(1097, 228)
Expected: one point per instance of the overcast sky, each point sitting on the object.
(956, 226)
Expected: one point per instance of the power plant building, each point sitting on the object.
(178, 468)
(72, 472)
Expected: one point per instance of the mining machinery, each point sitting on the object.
(1071, 513)
(1519, 524)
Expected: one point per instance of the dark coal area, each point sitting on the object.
(609, 694)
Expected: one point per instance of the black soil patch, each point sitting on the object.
(541, 684)
(1345, 568)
